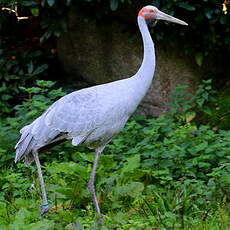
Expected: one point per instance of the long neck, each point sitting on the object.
(146, 71)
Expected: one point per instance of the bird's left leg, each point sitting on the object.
(91, 186)
(45, 205)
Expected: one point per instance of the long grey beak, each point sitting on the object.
(162, 16)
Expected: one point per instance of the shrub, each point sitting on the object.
(169, 171)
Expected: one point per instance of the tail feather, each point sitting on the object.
(37, 134)
(24, 146)
(24, 132)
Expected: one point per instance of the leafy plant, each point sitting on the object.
(186, 106)
(201, 40)
(206, 105)
(219, 115)
(15, 71)
(168, 172)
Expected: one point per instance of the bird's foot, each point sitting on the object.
(44, 209)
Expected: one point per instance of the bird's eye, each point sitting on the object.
(151, 11)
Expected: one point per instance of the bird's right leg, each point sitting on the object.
(44, 205)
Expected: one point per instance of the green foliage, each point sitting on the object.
(186, 106)
(201, 40)
(219, 113)
(15, 71)
(38, 99)
(170, 170)
(205, 105)
(162, 173)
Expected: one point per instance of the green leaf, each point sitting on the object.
(55, 93)
(199, 59)
(204, 165)
(186, 6)
(33, 90)
(30, 67)
(114, 4)
(43, 224)
(135, 189)
(201, 146)
(181, 87)
(34, 11)
(190, 116)
(43, 83)
(220, 153)
(29, 3)
(40, 69)
(208, 14)
(133, 162)
(132, 189)
(45, 36)
(50, 2)
(86, 157)
(40, 105)
(68, 2)
(43, 2)
(200, 101)
(226, 179)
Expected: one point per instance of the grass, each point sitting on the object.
(19, 210)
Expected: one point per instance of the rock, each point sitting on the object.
(100, 53)
(172, 69)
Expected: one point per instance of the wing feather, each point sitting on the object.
(76, 113)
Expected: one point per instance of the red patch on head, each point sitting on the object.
(145, 13)
(142, 11)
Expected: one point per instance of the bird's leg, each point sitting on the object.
(44, 205)
(91, 186)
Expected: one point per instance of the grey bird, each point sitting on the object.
(92, 116)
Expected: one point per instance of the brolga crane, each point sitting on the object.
(92, 116)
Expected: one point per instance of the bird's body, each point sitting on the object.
(92, 116)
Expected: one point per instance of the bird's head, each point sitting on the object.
(151, 15)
